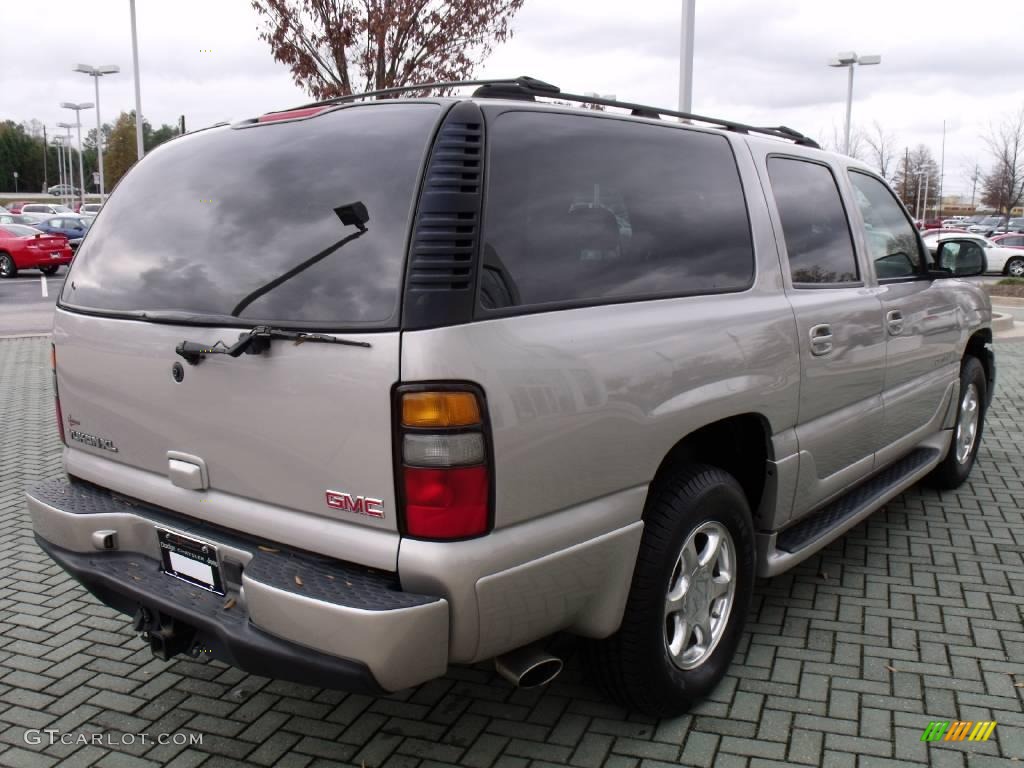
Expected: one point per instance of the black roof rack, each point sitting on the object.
(528, 88)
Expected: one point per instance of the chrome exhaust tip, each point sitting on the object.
(528, 667)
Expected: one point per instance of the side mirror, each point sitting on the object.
(961, 258)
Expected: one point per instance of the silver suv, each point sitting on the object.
(421, 382)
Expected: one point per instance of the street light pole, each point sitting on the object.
(69, 161)
(78, 124)
(686, 56)
(58, 141)
(138, 90)
(917, 208)
(849, 59)
(96, 73)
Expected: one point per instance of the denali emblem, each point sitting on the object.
(361, 505)
(93, 441)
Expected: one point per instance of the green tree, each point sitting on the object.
(120, 149)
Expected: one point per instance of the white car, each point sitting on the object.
(47, 209)
(1005, 261)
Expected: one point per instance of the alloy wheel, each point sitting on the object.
(700, 595)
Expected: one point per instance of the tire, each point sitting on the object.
(963, 449)
(52, 270)
(7, 266)
(636, 666)
(1014, 267)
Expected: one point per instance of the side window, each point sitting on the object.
(814, 223)
(891, 239)
(589, 209)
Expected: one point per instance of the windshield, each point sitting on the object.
(239, 208)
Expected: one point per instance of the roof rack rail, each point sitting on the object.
(524, 87)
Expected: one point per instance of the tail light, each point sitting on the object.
(56, 393)
(444, 462)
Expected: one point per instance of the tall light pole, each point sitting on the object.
(78, 124)
(850, 59)
(58, 141)
(69, 161)
(138, 90)
(96, 73)
(686, 56)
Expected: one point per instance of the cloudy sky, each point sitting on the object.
(757, 62)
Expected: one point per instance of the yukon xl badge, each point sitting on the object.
(360, 505)
(93, 441)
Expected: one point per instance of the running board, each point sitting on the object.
(798, 542)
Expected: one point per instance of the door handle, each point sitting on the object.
(821, 339)
(894, 321)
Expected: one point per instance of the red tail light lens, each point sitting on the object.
(56, 394)
(444, 462)
(446, 503)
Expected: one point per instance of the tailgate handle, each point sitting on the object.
(187, 471)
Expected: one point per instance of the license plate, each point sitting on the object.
(191, 560)
(55, 255)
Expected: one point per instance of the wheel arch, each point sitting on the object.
(741, 445)
(979, 345)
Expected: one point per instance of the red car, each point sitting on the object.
(15, 207)
(1012, 240)
(24, 247)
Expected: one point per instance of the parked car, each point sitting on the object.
(1001, 259)
(16, 206)
(932, 224)
(72, 226)
(986, 226)
(62, 189)
(1012, 240)
(90, 208)
(46, 208)
(593, 374)
(18, 218)
(953, 223)
(23, 247)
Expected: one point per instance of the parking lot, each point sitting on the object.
(27, 301)
(914, 616)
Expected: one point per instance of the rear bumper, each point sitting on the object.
(287, 614)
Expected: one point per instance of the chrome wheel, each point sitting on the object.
(700, 595)
(1015, 268)
(6, 266)
(967, 424)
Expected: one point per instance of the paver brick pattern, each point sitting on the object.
(915, 615)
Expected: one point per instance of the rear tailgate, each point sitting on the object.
(259, 225)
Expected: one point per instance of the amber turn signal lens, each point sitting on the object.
(440, 409)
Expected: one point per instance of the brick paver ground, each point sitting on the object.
(915, 615)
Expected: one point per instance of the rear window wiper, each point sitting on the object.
(255, 342)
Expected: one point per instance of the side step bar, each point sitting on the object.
(798, 542)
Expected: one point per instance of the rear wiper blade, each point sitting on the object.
(255, 342)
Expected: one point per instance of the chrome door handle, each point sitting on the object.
(821, 339)
(894, 321)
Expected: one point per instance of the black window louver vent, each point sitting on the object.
(439, 284)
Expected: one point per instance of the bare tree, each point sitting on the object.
(834, 143)
(1003, 186)
(881, 146)
(334, 47)
(917, 179)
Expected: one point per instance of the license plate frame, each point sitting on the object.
(55, 254)
(191, 560)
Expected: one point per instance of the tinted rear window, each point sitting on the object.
(585, 209)
(208, 219)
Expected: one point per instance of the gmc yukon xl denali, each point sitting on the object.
(421, 382)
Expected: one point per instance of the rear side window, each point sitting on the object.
(208, 220)
(818, 240)
(584, 209)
